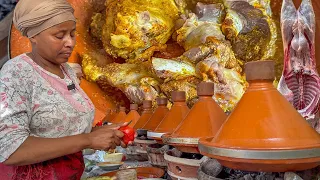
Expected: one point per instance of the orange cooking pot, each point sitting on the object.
(264, 132)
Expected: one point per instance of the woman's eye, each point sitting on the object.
(72, 34)
(59, 36)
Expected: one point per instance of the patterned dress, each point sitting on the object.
(35, 102)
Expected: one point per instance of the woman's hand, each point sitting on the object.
(117, 126)
(36, 149)
(105, 138)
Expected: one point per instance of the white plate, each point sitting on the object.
(109, 166)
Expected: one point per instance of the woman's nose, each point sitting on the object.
(70, 42)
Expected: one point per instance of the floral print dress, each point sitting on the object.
(35, 102)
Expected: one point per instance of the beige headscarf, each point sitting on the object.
(34, 16)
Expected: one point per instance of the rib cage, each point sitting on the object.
(304, 88)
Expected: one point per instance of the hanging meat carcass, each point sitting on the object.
(300, 81)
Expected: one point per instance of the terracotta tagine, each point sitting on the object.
(141, 141)
(204, 120)
(177, 113)
(264, 132)
(110, 114)
(145, 115)
(133, 115)
(120, 116)
(158, 114)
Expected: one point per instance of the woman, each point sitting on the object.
(45, 117)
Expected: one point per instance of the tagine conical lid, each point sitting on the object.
(133, 115)
(173, 118)
(264, 132)
(204, 120)
(145, 115)
(158, 114)
(120, 116)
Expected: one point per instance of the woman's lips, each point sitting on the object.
(66, 54)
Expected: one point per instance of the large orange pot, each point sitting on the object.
(83, 12)
(133, 115)
(173, 118)
(264, 132)
(120, 117)
(203, 120)
(145, 115)
(158, 114)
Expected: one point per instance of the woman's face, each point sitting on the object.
(56, 43)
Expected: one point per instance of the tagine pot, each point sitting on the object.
(204, 120)
(145, 115)
(158, 114)
(264, 132)
(133, 115)
(173, 118)
(120, 117)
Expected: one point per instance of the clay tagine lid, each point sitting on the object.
(173, 118)
(133, 115)
(178, 96)
(205, 115)
(147, 104)
(162, 101)
(145, 115)
(120, 117)
(264, 132)
(134, 107)
(158, 114)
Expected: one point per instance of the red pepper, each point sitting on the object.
(128, 134)
(99, 123)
